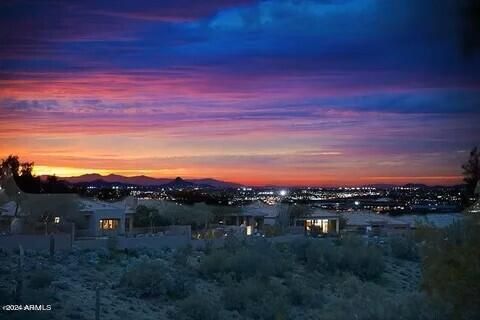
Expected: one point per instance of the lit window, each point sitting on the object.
(109, 224)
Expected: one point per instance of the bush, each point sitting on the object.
(451, 266)
(154, 279)
(260, 259)
(403, 248)
(300, 294)
(212, 264)
(323, 256)
(350, 255)
(112, 243)
(180, 257)
(40, 279)
(257, 299)
(354, 299)
(197, 307)
(365, 261)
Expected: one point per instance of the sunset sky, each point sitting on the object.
(257, 92)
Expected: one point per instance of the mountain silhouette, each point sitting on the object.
(143, 180)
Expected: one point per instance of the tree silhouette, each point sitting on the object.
(471, 173)
(470, 26)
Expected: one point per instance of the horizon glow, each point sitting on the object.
(311, 93)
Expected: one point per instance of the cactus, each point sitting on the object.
(19, 276)
(52, 246)
(97, 303)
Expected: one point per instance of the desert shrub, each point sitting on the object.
(112, 243)
(417, 305)
(153, 279)
(213, 263)
(356, 299)
(180, 257)
(403, 248)
(197, 307)
(233, 243)
(40, 279)
(258, 259)
(451, 267)
(364, 261)
(257, 299)
(237, 296)
(350, 255)
(301, 294)
(298, 249)
(177, 287)
(323, 256)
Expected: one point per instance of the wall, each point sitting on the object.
(35, 242)
(159, 242)
(151, 242)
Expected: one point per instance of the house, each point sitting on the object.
(102, 219)
(7, 214)
(369, 222)
(129, 206)
(320, 222)
(437, 220)
(254, 214)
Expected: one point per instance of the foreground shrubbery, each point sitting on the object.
(197, 307)
(40, 279)
(259, 279)
(153, 278)
(404, 248)
(257, 298)
(451, 266)
(307, 279)
(356, 299)
(246, 260)
(349, 255)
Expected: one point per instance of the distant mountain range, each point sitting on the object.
(98, 179)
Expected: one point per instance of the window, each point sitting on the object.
(57, 220)
(319, 224)
(109, 224)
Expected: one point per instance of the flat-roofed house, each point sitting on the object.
(372, 223)
(320, 222)
(253, 214)
(102, 219)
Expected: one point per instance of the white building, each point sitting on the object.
(103, 219)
